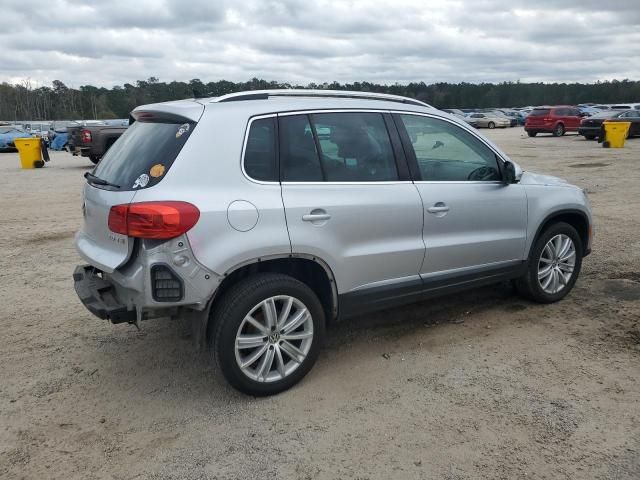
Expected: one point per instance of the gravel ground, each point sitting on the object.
(480, 385)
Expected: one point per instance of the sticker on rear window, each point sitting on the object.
(156, 171)
(184, 128)
(141, 181)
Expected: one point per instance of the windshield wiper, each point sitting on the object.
(91, 178)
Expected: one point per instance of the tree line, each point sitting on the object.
(23, 101)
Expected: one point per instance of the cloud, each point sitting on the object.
(106, 43)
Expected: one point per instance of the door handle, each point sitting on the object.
(438, 208)
(316, 217)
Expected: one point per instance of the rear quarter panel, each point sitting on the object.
(208, 174)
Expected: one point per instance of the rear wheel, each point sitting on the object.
(268, 330)
(532, 134)
(558, 131)
(553, 266)
(491, 125)
(94, 158)
(589, 137)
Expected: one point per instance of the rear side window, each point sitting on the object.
(141, 157)
(540, 112)
(260, 152)
(336, 147)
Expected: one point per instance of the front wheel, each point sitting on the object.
(268, 330)
(532, 134)
(94, 158)
(491, 125)
(553, 266)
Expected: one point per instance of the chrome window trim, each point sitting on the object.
(362, 110)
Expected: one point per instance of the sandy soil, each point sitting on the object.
(481, 385)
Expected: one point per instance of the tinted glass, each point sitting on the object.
(355, 147)
(446, 152)
(540, 112)
(299, 160)
(260, 152)
(143, 154)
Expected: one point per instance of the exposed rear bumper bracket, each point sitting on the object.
(98, 295)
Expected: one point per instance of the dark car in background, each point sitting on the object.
(590, 128)
(93, 140)
(631, 116)
(554, 120)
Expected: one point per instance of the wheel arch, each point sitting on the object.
(309, 269)
(576, 218)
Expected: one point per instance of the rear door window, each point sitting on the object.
(336, 147)
(299, 160)
(354, 147)
(144, 153)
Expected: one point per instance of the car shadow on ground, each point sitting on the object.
(171, 360)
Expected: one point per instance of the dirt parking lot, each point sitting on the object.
(480, 385)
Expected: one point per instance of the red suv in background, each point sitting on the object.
(554, 120)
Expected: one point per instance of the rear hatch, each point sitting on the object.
(140, 159)
(537, 116)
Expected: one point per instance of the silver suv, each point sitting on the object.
(264, 216)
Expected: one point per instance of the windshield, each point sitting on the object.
(143, 154)
(539, 112)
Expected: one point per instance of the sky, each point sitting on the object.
(107, 43)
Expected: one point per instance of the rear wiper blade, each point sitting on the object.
(91, 178)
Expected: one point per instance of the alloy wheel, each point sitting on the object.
(274, 338)
(556, 264)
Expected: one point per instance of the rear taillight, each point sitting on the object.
(86, 136)
(154, 220)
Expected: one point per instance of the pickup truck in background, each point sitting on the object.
(93, 139)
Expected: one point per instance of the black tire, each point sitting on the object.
(532, 134)
(589, 137)
(236, 303)
(528, 285)
(491, 125)
(94, 158)
(558, 131)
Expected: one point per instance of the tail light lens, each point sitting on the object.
(153, 220)
(86, 136)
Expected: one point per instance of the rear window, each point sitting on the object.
(143, 154)
(540, 112)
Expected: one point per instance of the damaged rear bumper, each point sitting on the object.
(99, 295)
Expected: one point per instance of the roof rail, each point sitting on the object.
(265, 94)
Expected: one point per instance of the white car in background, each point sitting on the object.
(490, 120)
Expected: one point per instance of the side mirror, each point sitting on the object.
(509, 173)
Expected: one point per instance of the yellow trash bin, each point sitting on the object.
(30, 150)
(615, 134)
